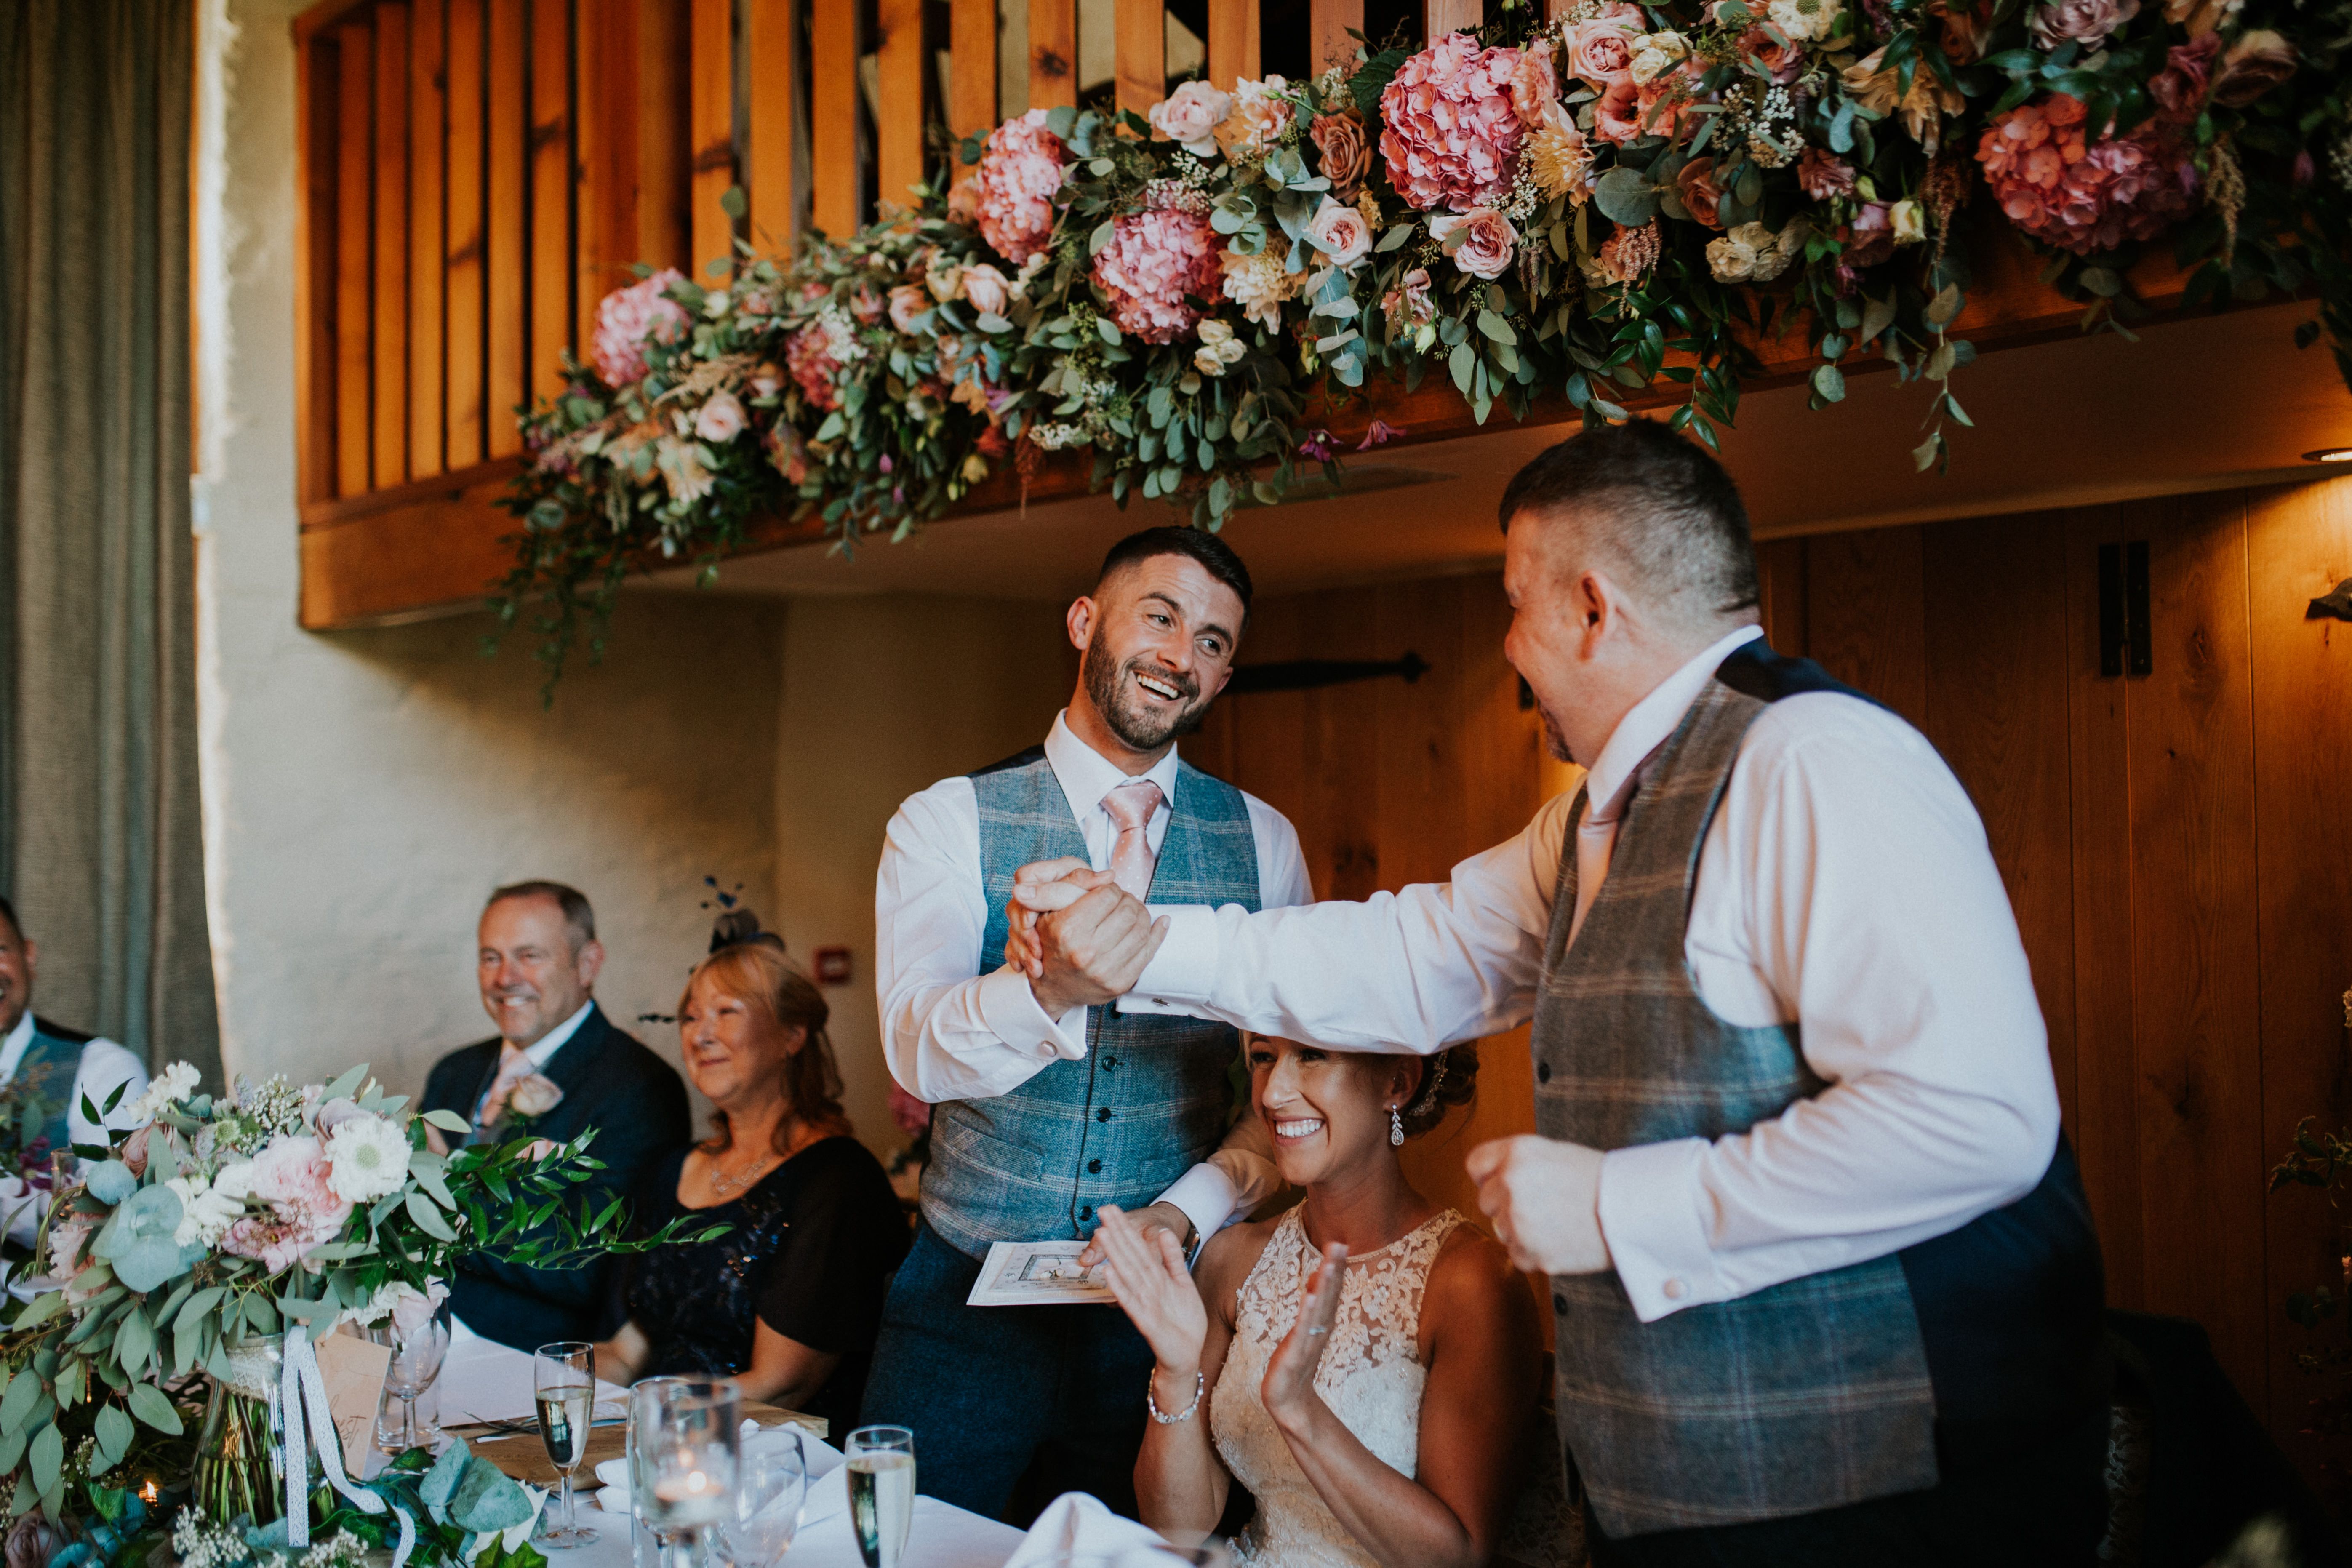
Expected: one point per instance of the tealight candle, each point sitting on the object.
(694, 1497)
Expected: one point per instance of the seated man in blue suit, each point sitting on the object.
(556, 1066)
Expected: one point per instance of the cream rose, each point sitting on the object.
(1190, 117)
(1909, 221)
(986, 290)
(722, 419)
(1340, 233)
(1655, 54)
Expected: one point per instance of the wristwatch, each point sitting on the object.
(1192, 1241)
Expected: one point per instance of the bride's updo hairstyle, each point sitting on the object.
(1452, 1079)
(748, 965)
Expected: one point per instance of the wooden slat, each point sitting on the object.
(902, 67)
(1053, 53)
(2189, 734)
(551, 195)
(972, 65)
(507, 265)
(1780, 574)
(467, 240)
(355, 155)
(711, 134)
(608, 151)
(315, 250)
(1141, 54)
(665, 177)
(428, 66)
(1442, 16)
(1996, 656)
(834, 203)
(1328, 22)
(1232, 41)
(1867, 615)
(2298, 546)
(768, 140)
(389, 460)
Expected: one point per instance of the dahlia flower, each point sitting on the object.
(1155, 263)
(1259, 284)
(1453, 136)
(1560, 159)
(628, 319)
(1020, 173)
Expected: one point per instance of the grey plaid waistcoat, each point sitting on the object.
(1148, 1100)
(1808, 1395)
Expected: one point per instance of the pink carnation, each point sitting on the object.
(1452, 134)
(808, 357)
(290, 1176)
(2087, 196)
(628, 319)
(1156, 261)
(1020, 171)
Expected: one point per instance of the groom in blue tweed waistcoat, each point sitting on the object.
(1047, 1103)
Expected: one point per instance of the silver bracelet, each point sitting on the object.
(1150, 1403)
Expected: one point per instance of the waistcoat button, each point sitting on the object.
(1543, 1072)
(1093, 1167)
(1559, 1304)
(1087, 1212)
(1104, 1114)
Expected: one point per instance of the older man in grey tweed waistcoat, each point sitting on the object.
(1047, 1103)
(1826, 1287)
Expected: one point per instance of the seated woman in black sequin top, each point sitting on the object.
(790, 1299)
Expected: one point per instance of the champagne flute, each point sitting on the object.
(881, 1492)
(563, 1375)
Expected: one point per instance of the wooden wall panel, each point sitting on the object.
(316, 248)
(427, 76)
(972, 69)
(467, 240)
(1451, 15)
(1865, 613)
(768, 121)
(1330, 21)
(835, 197)
(2197, 1040)
(355, 156)
(388, 459)
(711, 134)
(1141, 55)
(1996, 702)
(1053, 53)
(1781, 575)
(508, 264)
(2298, 546)
(665, 175)
(1232, 40)
(902, 67)
(551, 173)
(609, 53)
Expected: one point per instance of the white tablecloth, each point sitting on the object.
(484, 1380)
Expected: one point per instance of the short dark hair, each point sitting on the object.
(1213, 555)
(578, 917)
(1663, 508)
(8, 913)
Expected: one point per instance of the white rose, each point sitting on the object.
(1732, 258)
(1655, 54)
(1804, 21)
(722, 419)
(1340, 233)
(987, 289)
(367, 1156)
(1190, 117)
(1909, 220)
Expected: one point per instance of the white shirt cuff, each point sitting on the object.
(1184, 970)
(1206, 1193)
(1649, 1216)
(1010, 1010)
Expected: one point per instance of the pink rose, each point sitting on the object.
(1484, 244)
(867, 305)
(1782, 62)
(1190, 117)
(628, 319)
(2083, 22)
(987, 289)
(720, 421)
(1600, 51)
(2180, 88)
(1870, 238)
(1158, 263)
(2257, 62)
(1695, 185)
(1824, 175)
(1534, 86)
(907, 303)
(1020, 174)
(1344, 155)
(289, 1175)
(1340, 233)
(32, 1542)
(1452, 136)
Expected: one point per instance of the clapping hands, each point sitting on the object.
(1289, 1391)
(1146, 1271)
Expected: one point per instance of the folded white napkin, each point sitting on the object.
(1077, 1524)
(823, 1462)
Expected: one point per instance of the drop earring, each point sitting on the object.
(1396, 1128)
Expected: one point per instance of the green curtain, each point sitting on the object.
(100, 838)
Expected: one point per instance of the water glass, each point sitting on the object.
(771, 1483)
(416, 1366)
(881, 1466)
(685, 1460)
(563, 1384)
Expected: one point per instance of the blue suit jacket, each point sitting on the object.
(636, 1103)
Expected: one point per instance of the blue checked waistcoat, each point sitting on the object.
(43, 1085)
(1810, 1394)
(1149, 1099)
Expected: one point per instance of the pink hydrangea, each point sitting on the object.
(2086, 196)
(629, 317)
(1020, 173)
(290, 1176)
(1453, 132)
(1155, 264)
(808, 358)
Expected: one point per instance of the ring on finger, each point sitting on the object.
(1317, 1331)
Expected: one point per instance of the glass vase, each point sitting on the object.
(241, 1455)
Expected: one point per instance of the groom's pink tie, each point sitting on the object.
(1596, 837)
(1131, 860)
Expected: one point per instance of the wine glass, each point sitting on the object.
(771, 1483)
(564, 1378)
(687, 1455)
(881, 1491)
(416, 1363)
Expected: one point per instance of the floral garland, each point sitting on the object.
(1619, 196)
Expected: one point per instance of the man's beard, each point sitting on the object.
(1142, 730)
(1555, 743)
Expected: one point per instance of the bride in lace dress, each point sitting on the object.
(1364, 1363)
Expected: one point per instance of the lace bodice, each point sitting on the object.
(1371, 1376)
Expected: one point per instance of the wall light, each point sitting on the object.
(2329, 455)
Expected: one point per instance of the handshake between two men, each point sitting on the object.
(1085, 941)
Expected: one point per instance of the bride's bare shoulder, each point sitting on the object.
(1472, 1285)
(1230, 1255)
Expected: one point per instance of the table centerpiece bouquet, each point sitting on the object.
(160, 1384)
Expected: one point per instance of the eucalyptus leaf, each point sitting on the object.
(114, 1433)
(151, 1406)
(47, 1456)
(1828, 382)
(1625, 197)
(110, 1182)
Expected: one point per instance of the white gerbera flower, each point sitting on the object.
(367, 1159)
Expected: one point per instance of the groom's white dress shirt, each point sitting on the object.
(104, 1067)
(1845, 883)
(950, 1032)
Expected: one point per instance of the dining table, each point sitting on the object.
(484, 1396)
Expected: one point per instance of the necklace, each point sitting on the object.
(726, 1185)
